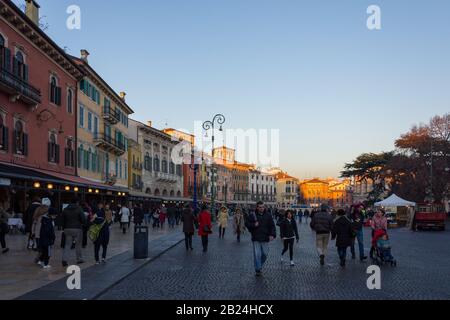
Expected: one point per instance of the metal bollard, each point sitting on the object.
(140, 242)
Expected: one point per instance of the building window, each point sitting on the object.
(172, 168)
(148, 162)
(164, 166)
(90, 121)
(179, 173)
(55, 91)
(94, 161)
(156, 164)
(69, 154)
(81, 123)
(69, 101)
(20, 139)
(20, 69)
(3, 134)
(53, 149)
(80, 156)
(87, 158)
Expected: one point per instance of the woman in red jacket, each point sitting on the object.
(205, 226)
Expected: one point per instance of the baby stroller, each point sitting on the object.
(382, 249)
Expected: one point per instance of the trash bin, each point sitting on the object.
(140, 242)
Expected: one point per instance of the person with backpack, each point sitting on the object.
(73, 221)
(343, 233)
(289, 233)
(322, 224)
(44, 231)
(124, 218)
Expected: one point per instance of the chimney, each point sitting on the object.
(32, 11)
(84, 55)
(123, 95)
(149, 123)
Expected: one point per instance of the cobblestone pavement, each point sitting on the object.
(226, 272)
(19, 275)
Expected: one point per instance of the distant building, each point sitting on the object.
(287, 190)
(315, 192)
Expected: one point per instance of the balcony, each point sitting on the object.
(166, 177)
(137, 166)
(18, 89)
(138, 186)
(110, 115)
(109, 179)
(109, 144)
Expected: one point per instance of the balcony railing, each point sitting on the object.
(166, 177)
(111, 115)
(18, 88)
(109, 179)
(110, 144)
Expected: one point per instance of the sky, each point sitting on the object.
(311, 69)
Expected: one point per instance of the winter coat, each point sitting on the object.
(238, 222)
(342, 232)
(47, 232)
(171, 212)
(288, 229)
(379, 223)
(188, 221)
(124, 215)
(28, 218)
(103, 236)
(204, 219)
(4, 216)
(264, 230)
(37, 219)
(222, 219)
(138, 215)
(162, 215)
(73, 217)
(322, 222)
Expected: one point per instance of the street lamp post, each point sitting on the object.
(210, 125)
(194, 166)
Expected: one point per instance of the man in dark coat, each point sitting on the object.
(342, 232)
(188, 219)
(263, 230)
(322, 224)
(138, 214)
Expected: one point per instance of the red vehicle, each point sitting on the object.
(430, 216)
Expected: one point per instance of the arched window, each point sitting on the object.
(87, 158)
(156, 165)
(172, 168)
(20, 139)
(2, 41)
(69, 101)
(94, 161)
(164, 166)
(179, 194)
(157, 192)
(3, 134)
(80, 156)
(148, 162)
(53, 149)
(55, 91)
(20, 69)
(172, 193)
(164, 193)
(148, 191)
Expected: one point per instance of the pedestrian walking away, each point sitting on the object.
(156, 218)
(100, 233)
(46, 232)
(73, 221)
(171, 216)
(343, 234)
(238, 223)
(205, 226)
(322, 224)
(28, 221)
(124, 218)
(261, 226)
(289, 233)
(4, 216)
(189, 221)
(162, 216)
(222, 219)
(138, 214)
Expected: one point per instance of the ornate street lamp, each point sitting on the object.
(210, 125)
(194, 166)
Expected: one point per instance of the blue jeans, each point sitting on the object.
(360, 238)
(260, 250)
(147, 218)
(342, 252)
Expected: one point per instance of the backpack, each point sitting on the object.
(94, 231)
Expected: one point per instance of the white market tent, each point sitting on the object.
(394, 201)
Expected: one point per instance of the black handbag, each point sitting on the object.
(206, 229)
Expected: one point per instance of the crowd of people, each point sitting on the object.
(345, 227)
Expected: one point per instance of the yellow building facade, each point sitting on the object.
(102, 124)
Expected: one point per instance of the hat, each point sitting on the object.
(46, 202)
(324, 208)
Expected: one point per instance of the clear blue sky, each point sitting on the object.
(309, 68)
